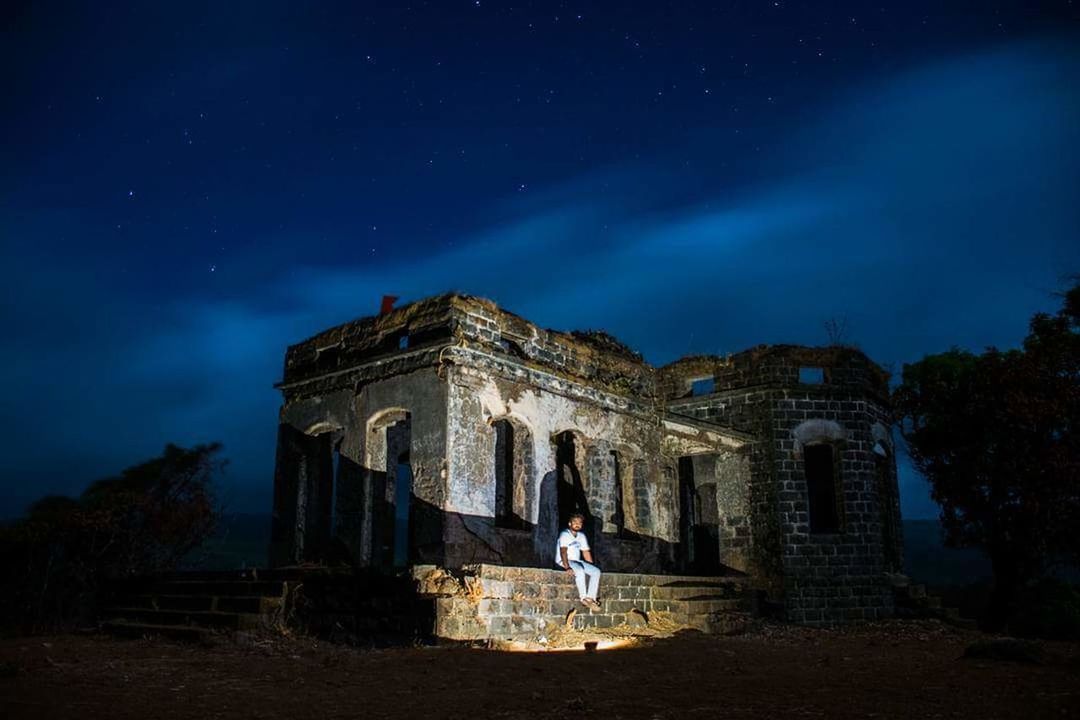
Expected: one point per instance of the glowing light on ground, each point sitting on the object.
(585, 646)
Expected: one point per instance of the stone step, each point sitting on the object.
(166, 602)
(705, 605)
(396, 623)
(231, 588)
(236, 604)
(203, 619)
(720, 623)
(686, 591)
(183, 633)
(697, 605)
(260, 574)
(952, 616)
(916, 591)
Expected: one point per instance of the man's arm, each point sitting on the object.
(586, 550)
(565, 559)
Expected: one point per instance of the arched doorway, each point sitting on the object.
(388, 459)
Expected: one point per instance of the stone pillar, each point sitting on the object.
(350, 519)
(283, 523)
(319, 492)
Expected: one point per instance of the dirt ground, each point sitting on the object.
(889, 670)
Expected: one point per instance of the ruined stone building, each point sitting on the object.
(452, 433)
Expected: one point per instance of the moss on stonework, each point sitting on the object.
(606, 342)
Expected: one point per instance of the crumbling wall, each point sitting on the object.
(309, 432)
(591, 359)
(748, 498)
(423, 324)
(733, 508)
(424, 386)
(353, 422)
(485, 388)
(423, 396)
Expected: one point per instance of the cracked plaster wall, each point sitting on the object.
(477, 397)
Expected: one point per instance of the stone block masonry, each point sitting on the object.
(510, 603)
(830, 572)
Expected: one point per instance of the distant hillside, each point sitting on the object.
(927, 560)
(240, 542)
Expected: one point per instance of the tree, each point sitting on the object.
(148, 519)
(158, 511)
(995, 434)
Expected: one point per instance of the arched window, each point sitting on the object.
(819, 444)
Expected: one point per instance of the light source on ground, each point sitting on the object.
(594, 645)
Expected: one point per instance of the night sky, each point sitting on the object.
(187, 188)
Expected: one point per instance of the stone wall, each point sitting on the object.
(505, 603)
(820, 577)
(596, 359)
(335, 441)
(774, 365)
(747, 502)
(489, 366)
(832, 576)
(486, 388)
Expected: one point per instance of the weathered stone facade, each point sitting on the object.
(453, 433)
(524, 603)
(822, 574)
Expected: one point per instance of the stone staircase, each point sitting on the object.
(712, 606)
(912, 601)
(193, 606)
(491, 602)
(338, 604)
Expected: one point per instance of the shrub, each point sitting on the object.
(57, 559)
(1047, 609)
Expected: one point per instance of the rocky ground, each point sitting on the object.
(895, 669)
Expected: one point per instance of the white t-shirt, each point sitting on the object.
(574, 544)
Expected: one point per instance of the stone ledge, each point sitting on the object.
(494, 602)
(561, 577)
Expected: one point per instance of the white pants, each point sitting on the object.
(582, 571)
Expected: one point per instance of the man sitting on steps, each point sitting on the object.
(572, 547)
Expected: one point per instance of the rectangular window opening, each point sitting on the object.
(335, 473)
(821, 488)
(504, 475)
(812, 375)
(702, 386)
(618, 501)
(403, 342)
(639, 483)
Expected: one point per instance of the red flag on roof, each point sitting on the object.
(387, 303)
